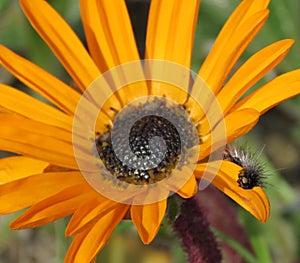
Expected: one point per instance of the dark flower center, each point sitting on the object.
(146, 142)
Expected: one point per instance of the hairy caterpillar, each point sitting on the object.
(252, 173)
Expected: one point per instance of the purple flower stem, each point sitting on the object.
(194, 231)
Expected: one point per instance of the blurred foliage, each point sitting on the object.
(278, 133)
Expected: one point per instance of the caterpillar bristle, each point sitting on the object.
(252, 173)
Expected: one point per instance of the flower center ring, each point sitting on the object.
(151, 144)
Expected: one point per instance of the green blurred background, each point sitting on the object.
(278, 134)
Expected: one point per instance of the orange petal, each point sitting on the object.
(27, 191)
(251, 71)
(17, 167)
(48, 86)
(235, 36)
(182, 181)
(171, 29)
(256, 5)
(37, 140)
(253, 200)
(56, 156)
(23, 104)
(168, 79)
(189, 189)
(88, 243)
(245, 9)
(40, 81)
(88, 213)
(54, 207)
(13, 121)
(111, 44)
(274, 92)
(234, 125)
(170, 35)
(201, 101)
(147, 219)
(62, 40)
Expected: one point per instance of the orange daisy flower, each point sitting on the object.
(61, 163)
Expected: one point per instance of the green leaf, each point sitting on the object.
(243, 252)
